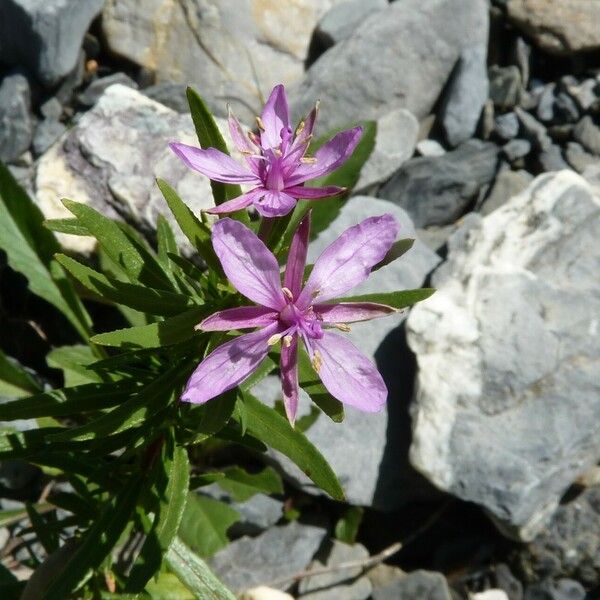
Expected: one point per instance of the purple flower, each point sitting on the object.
(276, 163)
(292, 312)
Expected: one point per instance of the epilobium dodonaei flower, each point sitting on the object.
(276, 163)
(291, 312)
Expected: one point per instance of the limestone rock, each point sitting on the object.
(347, 584)
(394, 144)
(368, 453)
(466, 95)
(45, 36)
(230, 51)
(558, 27)
(436, 190)
(399, 57)
(508, 353)
(16, 122)
(111, 158)
(418, 584)
(276, 553)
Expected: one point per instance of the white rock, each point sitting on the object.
(111, 159)
(508, 351)
(264, 593)
(235, 51)
(489, 595)
(394, 143)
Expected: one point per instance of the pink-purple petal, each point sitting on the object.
(227, 366)
(314, 193)
(248, 263)
(275, 204)
(351, 312)
(296, 262)
(349, 259)
(214, 164)
(348, 374)
(275, 117)
(237, 203)
(242, 317)
(289, 378)
(328, 157)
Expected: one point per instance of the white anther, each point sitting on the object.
(317, 361)
(287, 292)
(260, 123)
(287, 341)
(273, 339)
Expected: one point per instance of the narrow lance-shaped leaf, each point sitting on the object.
(30, 248)
(398, 300)
(172, 492)
(15, 381)
(269, 426)
(195, 573)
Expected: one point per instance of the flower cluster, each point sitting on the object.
(289, 311)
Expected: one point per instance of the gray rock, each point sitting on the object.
(585, 94)
(560, 28)
(569, 546)
(516, 149)
(508, 389)
(73, 80)
(395, 142)
(505, 580)
(566, 108)
(368, 452)
(170, 94)
(276, 553)
(45, 36)
(506, 185)
(545, 107)
(347, 584)
(533, 130)
(16, 122)
(506, 126)
(436, 237)
(111, 158)
(258, 512)
(505, 86)
(522, 55)
(551, 159)
(51, 109)
(430, 148)
(46, 133)
(436, 191)
(578, 158)
(466, 95)
(418, 584)
(92, 93)
(587, 133)
(400, 57)
(340, 21)
(230, 51)
(564, 589)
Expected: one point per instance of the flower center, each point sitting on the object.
(301, 322)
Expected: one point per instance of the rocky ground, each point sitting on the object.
(487, 151)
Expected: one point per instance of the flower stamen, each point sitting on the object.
(273, 339)
(287, 340)
(317, 361)
(260, 124)
(308, 160)
(342, 327)
(287, 293)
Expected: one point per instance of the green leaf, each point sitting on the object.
(205, 523)
(135, 411)
(204, 420)
(30, 248)
(119, 246)
(273, 429)
(397, 300)
(172, 492)
(195, 574)
(398, 249)
(163, 333)
(138, 297)
(69, 401)
(98, 541)
(209, 136)
(241, 485)
(68, 226)
(15, 381)
(195, 231)
(47, 538)
(346, 529)
(73, 361)
(167, 587)
(311, 383)
(166, 242)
